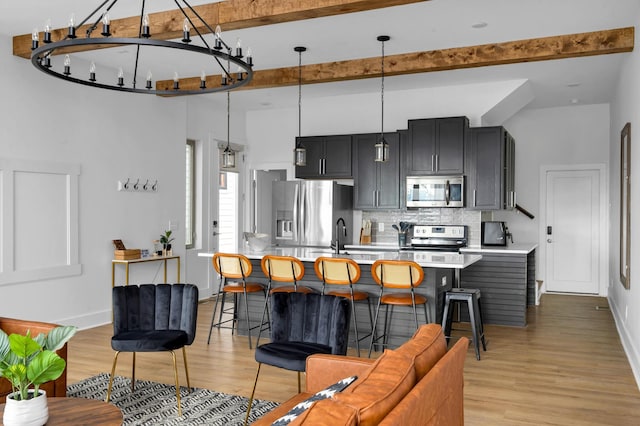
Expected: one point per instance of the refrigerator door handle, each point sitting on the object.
(302, 226)
(295, 213)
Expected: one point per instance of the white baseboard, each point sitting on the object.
(632, 352)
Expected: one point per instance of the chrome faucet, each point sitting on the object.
(344, 231)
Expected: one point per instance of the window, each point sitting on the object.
(190, 210)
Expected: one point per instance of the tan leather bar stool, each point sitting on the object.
(344, 271)
(397, 274)
(470, 296)
(283, 269)
(231, 266)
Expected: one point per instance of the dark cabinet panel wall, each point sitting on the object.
(490, 169)
(376, 185)
(328, 157)
(436, 146)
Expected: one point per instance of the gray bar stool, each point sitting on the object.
(472, 297)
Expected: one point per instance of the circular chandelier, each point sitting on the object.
(216, 52)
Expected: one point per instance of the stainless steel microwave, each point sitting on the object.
(435, 191)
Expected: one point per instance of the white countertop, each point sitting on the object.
(521, 248)
(426, 259)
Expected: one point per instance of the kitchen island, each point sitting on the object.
(439, 275)
(506, 278)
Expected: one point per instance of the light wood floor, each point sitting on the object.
(567, 367)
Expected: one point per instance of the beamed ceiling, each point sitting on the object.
(270, 19)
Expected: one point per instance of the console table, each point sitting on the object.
(126, 264)
(79, 411)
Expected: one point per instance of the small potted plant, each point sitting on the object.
(28, 362)
(165, 240)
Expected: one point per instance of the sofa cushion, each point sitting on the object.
(374, 395)
(426, 347)
(325, 393)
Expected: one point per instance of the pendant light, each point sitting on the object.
(228, 155)
(382, 147)
(300, 152)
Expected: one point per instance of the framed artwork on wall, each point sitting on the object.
(625, 209)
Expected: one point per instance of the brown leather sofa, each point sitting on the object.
(9, 326)
(419, 383)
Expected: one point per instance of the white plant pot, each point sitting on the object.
(30, 412)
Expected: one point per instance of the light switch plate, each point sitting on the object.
(380, 226)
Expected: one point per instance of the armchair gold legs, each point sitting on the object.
(133, 375)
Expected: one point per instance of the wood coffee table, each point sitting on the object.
(80, 411)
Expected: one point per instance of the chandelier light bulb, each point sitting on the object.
(34, 39)
(218, 41)
(149, 79)
(47, 31)
(106, 25)
(120, 77)
(72, 26)
(239, 49)
(176, 81)
(145, 27)
(67, 65)
(185, 31)
(203, 80)
(249, 57)
(92, 72)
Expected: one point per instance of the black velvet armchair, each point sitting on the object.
(154, 318)
(303, 324)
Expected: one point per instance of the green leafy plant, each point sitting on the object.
(27, 361)
(165, 238)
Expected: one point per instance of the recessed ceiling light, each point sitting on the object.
(576, 84)
(478, 25)
(574, 101)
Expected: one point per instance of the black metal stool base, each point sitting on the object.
(472, 297)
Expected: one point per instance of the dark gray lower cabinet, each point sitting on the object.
(507, 286)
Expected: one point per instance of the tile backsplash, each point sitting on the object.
(431, 216)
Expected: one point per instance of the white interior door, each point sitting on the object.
(572, 231)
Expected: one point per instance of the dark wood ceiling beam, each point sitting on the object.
(230, 15)
(539, 49)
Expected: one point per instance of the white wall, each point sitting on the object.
(111, 136)
(564, 136)
(625, 304)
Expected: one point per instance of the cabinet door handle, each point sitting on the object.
(324, 166)
(320, 166)
(433, 162)
(437, 163)
(474, 198)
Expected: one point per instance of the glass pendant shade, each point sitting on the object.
(228, 158)
(300, 155)
(382, 151)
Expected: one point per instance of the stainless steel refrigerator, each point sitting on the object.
(305, 212)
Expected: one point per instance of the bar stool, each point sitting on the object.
(472, 297)
(344, 271)
(235, 267)
(285, 269)
(397, 274)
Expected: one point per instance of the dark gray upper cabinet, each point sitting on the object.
(328, 157)
(376, 185)
(436, 146)
(490, 169)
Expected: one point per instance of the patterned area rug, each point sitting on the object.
(155, 403)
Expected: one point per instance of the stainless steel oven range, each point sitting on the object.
(449, 238)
